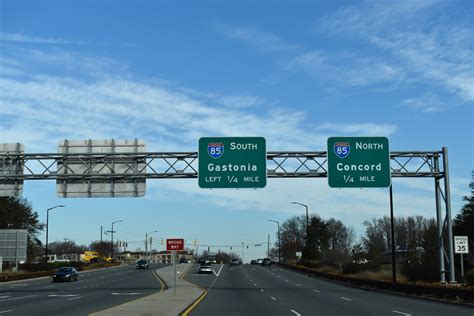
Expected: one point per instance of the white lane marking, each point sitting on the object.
(133, 293)
(273, 298)
(17, 298)
(47, 287)
(5, 296)
(74, 298)
(286, 280)
(295, 312)
(317, 291)
(298, 284)
(261, 290)
(402, 313)
(253, 269)
(278, 276)
(7, 311)
(20, 284)
(62, 295)
(255, 284)
(220, 269)
(345, 298)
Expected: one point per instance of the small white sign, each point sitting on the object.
(461, 245)
(298, 254)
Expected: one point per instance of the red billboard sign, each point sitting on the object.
(174, 244)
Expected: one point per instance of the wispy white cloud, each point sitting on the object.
(428, 102)
(256, 37)
(22, 38)
(430, 48)
(368, 129)
(346, 69)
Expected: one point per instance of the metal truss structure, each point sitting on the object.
(18, 167)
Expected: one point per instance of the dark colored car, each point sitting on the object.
(205, 268)
(203, 261)
(266, 262)
(183, 260)
(253, 262)
(141, 264)
(65, 274)
(235, 262)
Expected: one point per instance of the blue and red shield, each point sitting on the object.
(342, 149)
(215, 150)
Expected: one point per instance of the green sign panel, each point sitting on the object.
(232, 162)
(358, 162)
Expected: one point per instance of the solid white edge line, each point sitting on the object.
(295, 312)
(6, 311)
(402, 313)
(345, 298)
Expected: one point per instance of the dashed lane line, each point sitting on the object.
(345, 298)
(6, 311)
(317, 291)
(17, 298)
(273, 298)
(295, 312)
(298, 284)
(402, 313)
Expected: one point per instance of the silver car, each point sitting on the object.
(205, 268)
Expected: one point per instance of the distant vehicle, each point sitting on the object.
(259, 261)
(266, 262)
(141, 264)
(202, 261)
(253, 261)
(235, 262)
(184, 260)
(65, 274)
(211, 258)
(93, 257)
(205, 268)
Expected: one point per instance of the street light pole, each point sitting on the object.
(47, 231)
(242, 253)
(307, 223)
(148, 252)
(112, 238)
(279, 244)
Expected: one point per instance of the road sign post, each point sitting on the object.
(358, 162)
(461, 246)
(174, 245)
(232, 162)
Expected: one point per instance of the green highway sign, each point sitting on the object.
(358, 162)
(232, 162)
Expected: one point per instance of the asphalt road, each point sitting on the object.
(257, 290)
(94, 291)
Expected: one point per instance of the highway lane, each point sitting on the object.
(257, 290)
(94, 291)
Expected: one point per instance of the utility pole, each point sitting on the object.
(268, 246)
(101, 229)
(242, 253)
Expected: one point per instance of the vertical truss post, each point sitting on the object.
(440, 222)
(447, 191)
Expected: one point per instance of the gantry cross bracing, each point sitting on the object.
(153, 165)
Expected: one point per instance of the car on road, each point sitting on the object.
(141, 264)
(259, 261)
(266, 262)
(253, 261)
(184, 260)
(205, 268)
(65, 274)
(235, 262)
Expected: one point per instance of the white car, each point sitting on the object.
(205, 268)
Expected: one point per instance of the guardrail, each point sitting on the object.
(435, 292)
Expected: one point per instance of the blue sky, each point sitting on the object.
(294, 72)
